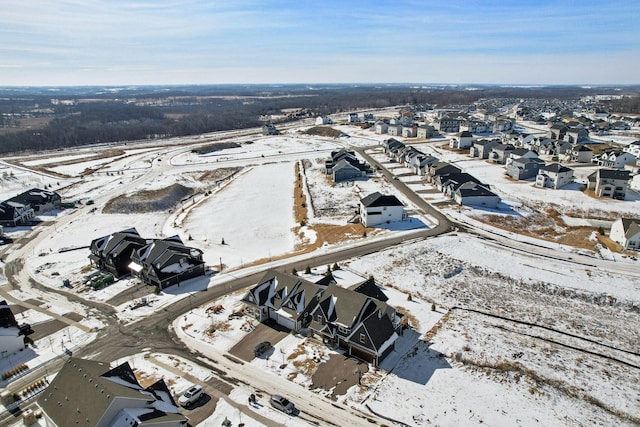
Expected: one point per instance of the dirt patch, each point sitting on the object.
(149, 200)
(324, 131)
(338, 373)
(216, 175)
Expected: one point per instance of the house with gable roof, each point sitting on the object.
(90, 393)
(581, 154)
(113, 252)
(626, 232)
(554, 176)
(14, 213)
(362, 326)
(609, 183)
(633, 148)
(524, 168)
(285, 298)
(376, 209)
(166, 262)
(481, 148)
(39, 200)
(474, 194)
(500, 153)
(615, 159)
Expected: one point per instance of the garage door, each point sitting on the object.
(363, 355)
(281, 320)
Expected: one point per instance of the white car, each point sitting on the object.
(191, 396)
(282, 404)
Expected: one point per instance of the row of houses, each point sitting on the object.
(357, 319)
(156, 262)
(21, 209)
(463, 188)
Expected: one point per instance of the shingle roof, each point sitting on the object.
(556, 168)
(376, 199)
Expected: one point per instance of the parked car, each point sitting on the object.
(282, 404)
(191, 396)
(261, 348)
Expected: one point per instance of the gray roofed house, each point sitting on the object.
(377, 208)
(364, 327)
(39, 200)
(500, 153)
(609, 183)
(473, 194)
(524, 168)
(166, 262)
(283, 297)
(481, 148)
(113, 252)
(554, 176)
(441, 168)
(90, 393)
(581, 153)
(626, 232)
(14, 213)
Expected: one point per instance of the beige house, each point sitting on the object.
(626, 232)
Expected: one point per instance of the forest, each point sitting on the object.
(35, 119)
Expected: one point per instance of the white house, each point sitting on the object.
(581, 154)
(616, 159)
(633, 148)
(323, 120)
(554, 176)
(378, 209)
(464, 140)
(380, 127)
(626, 232)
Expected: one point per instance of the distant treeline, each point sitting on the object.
(101, 116)
(629, 105)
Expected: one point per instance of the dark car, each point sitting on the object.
(261, 348)
(282, 404)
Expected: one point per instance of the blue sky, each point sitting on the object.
(118, 42)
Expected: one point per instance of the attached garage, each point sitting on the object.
(362, 354)
(282, 319)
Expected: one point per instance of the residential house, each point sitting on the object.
(609, 183)
(422, 166)
(575, 135)
(113, 252)
(447, 183)
(409, 131)
(542, 146)
(362, 326)
(447, 124)
(13, 213)
(323, 120)
(524, 168)
(285, 298)
(166, 262)
(394, 130)
(353, 118)
(39, 200)
(270, 129)
(90, 393)
(380, 127)
(580, 153)
(616, 159)
(633, 148)
(392, 147)
(464, 140)
(11, 338)
(521, 153)
(474, 194)
(348, 169)
(440, 168)
(502, 125)
(563, 148)
(426, 131)
(376, 209)
(481, 148)
(554, 176)
(500, 153)
(557, 131)
(626, 232)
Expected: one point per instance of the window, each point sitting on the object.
(362, 339)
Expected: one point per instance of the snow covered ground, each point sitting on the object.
(477, 359)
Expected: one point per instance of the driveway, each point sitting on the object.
(267, 331)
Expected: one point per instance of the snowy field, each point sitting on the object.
(477, 359)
